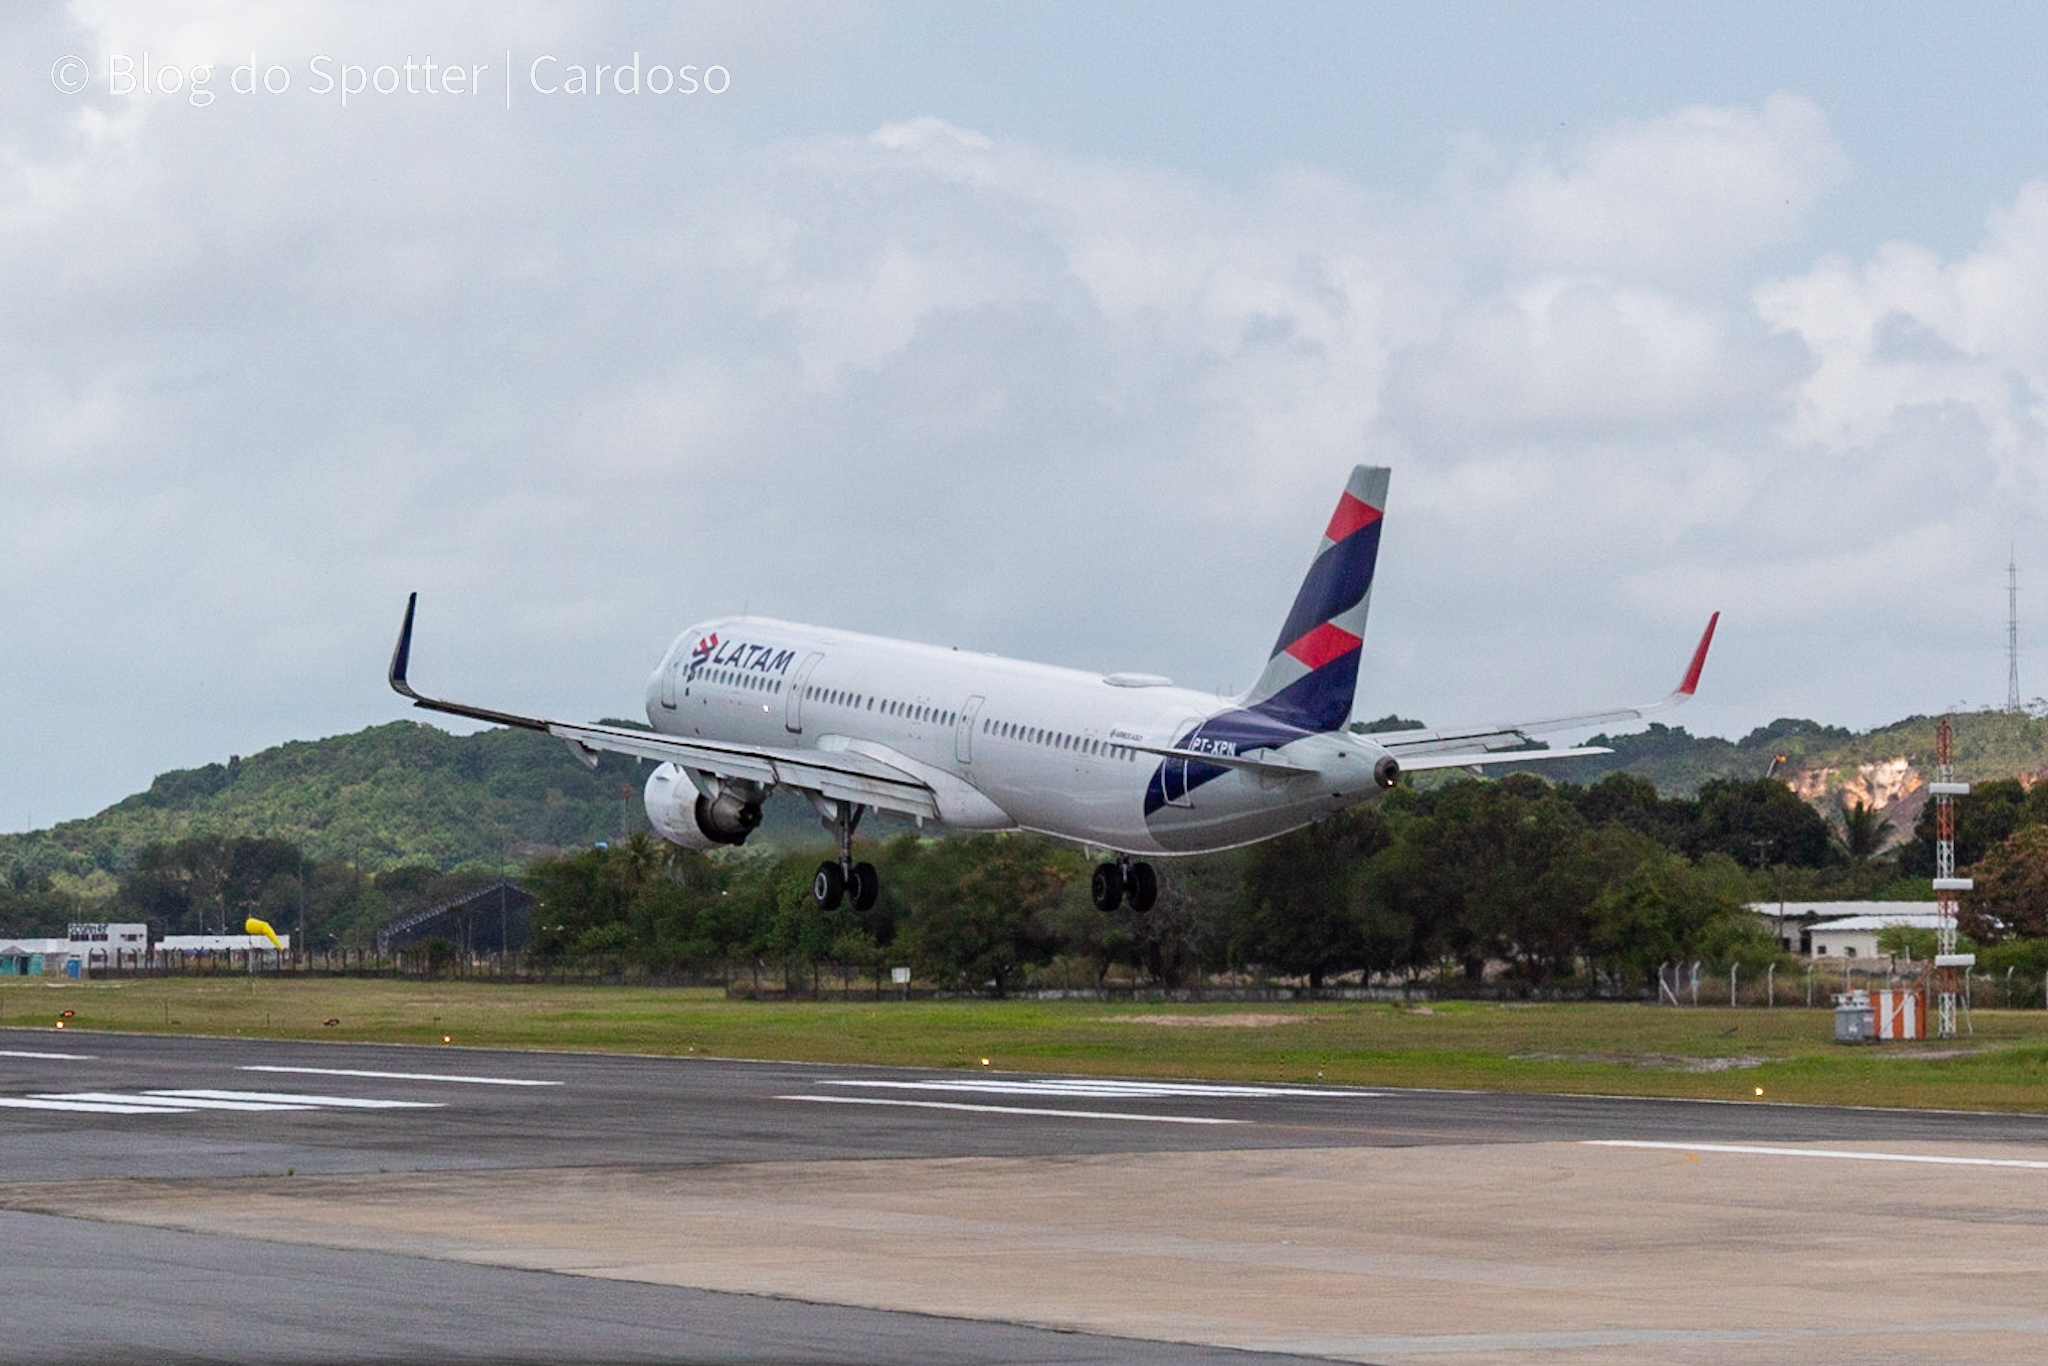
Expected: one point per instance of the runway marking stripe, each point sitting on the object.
(152, 1101)
(89, 1107)
(1102, 1089)
(1011, 1110)
(293, 1098)
(1843, 1154)
(66, 1057)
(397, 1076)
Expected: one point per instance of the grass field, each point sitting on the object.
(1713, 1053)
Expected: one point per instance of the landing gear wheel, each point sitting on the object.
(1141, 885)
(828, 886)
(863, 885)
(1108, 887)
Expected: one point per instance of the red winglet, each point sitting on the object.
(1699, 658)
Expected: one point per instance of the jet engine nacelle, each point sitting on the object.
(681, 814)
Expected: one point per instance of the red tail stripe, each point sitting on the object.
(1327, 642)
(1351, 514)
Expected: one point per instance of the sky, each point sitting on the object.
(1050, 330)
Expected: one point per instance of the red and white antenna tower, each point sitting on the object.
(1947, 962)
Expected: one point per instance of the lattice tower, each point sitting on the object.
(2012, 634)
(1946, 884)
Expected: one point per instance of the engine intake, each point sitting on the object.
(1386, 771)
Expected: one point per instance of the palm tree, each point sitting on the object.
(642, 858)
(1863, 830)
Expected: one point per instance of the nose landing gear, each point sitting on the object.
(1125, 880)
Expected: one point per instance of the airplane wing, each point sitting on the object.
(839, 775)
(1500, 744)
(1417, 763)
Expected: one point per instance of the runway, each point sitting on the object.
(240, 1200)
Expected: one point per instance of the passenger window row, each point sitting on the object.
(740, 678)
(853, 701)
(1056, 739)
(917, 711)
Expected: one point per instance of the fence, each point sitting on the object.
(1688, 984)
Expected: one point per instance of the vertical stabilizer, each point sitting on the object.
(1313, 673)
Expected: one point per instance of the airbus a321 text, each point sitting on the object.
(1124, 763)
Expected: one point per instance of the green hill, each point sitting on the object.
(1825, 764)
(408, 794)
(391, 795)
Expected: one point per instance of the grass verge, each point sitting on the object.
(1706, 1053)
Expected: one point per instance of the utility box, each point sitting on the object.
(1855, 1019)
(1900, 1015)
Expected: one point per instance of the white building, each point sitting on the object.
(91, 946)
(252, 950)
(103, 945)
(1841, 929)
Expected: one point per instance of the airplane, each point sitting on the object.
(1125, 764)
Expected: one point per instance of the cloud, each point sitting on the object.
(1692, 194)
(1908, 331)
(582, 375)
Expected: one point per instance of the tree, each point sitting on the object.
(33, 907)
(1627, 800)
(2010, 900)
(1660, 911)
(1863, 830)
(980, 907)
(1909, 942)
(1987, 815)
(210, 883)
(677, 917)
(1487, 873)
(1760, 822)
(1301, 911)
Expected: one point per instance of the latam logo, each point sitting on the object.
(709, 653)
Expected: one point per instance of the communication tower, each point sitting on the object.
(2012, 633)
(1947, 962)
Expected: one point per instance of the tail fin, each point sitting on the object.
(1313, 674)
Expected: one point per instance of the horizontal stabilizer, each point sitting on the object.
(1422, 763)
(1274, 767)
(1407, 745)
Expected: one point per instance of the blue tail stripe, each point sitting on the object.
(1336, 583)
(1244, 730)
(1317, 701)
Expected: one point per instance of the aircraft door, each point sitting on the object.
(963, 732)
(671, 677)
(793, 714)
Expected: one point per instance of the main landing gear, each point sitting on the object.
(1124, 880)
(845, 879)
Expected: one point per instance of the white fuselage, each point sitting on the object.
(1005, 744)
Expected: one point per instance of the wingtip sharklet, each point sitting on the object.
(401, 653)
(1691, 682)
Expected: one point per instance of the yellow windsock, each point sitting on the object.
(255, 926)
